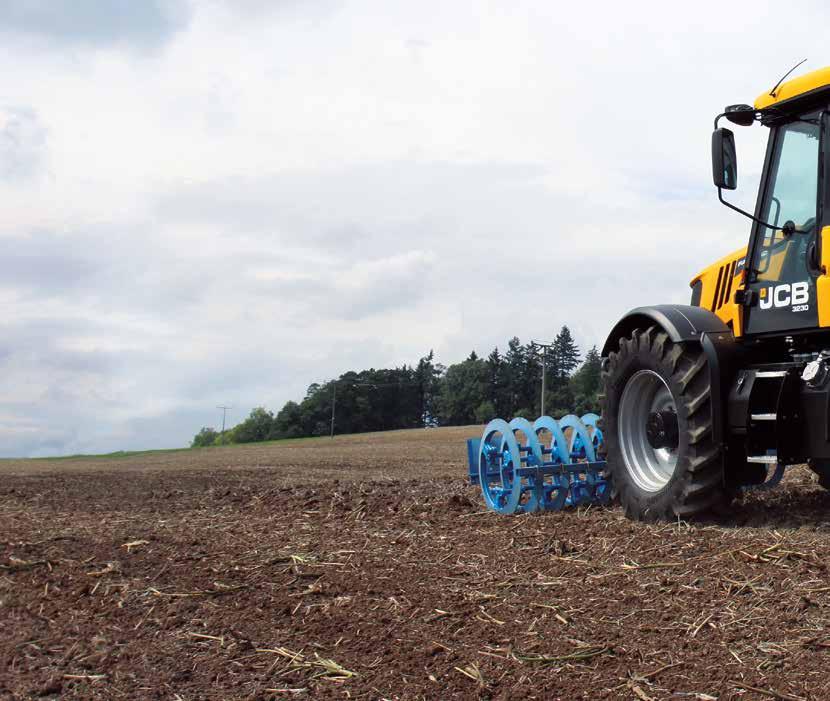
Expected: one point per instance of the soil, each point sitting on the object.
(366, 568)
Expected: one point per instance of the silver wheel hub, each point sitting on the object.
(646, 393)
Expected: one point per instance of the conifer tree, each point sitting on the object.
(565, 353)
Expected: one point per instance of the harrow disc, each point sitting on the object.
(534, 456)
(580, 447)
(558, 443)
(556, 486)
(498, 459)
(602, 488)
(591, 421)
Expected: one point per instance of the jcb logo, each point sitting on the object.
(797, 295)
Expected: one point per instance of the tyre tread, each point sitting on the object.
(699, 486)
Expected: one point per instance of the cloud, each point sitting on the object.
(93, 23)
(42, 264)
(260, 9)
(22, 144)
(244, 291)
(290, 190)
(355, 291)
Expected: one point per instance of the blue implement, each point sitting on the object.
(520, 472)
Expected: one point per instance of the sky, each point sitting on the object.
(220, 202)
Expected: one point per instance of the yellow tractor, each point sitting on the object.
(704, 400)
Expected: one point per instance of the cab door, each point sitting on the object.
(784, 268)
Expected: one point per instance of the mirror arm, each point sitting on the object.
(732, 112)
(746, 214)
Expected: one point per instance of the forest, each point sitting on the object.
(504, 384)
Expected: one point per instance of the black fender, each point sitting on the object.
(687, 324)
(680, 321)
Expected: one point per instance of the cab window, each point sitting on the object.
(791, 195)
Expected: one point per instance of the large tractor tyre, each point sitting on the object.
(658, 428)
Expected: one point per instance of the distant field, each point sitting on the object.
(420, 452)
(365, 567)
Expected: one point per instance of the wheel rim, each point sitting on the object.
(650, 468)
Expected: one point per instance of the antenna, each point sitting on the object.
(772, 92)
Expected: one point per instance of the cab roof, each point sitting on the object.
(804, 85)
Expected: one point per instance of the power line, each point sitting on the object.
(375, 385)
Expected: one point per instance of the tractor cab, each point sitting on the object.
(777, 285)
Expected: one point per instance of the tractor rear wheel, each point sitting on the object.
(658, 428)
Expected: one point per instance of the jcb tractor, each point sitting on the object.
(704, 400)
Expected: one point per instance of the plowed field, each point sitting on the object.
(365, 568)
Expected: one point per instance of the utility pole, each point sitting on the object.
(333, 402)
(224, 411)
(544, 347)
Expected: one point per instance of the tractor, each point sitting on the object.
(706, 400)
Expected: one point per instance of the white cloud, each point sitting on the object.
(225, 201)
(22, 142)
(92, 23)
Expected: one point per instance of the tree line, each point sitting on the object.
(504, 384)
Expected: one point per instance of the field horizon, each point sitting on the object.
(241, 454)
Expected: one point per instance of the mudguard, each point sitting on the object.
(685, 324)
(680, 321)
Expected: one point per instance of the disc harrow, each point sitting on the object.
(546, 465)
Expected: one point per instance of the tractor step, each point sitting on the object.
(763, 409)
(765, 459)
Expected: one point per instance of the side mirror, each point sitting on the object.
(724, 159)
